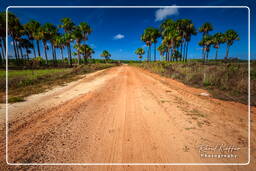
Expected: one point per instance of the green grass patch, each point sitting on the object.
(22, 83)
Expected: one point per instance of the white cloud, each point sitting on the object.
(118, 36)
(165, 12)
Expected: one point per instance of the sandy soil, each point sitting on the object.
(125, 115)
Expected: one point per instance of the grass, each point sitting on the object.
(227, 81)
(22, 83)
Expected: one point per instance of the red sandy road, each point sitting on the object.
(133, 117)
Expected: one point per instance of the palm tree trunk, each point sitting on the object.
(1, 58)
(155, 51)
(53, 57)
(45, 53)
(14, 48)
(4, 46)
(216, 55)
(181, 48)
(27, 54)
(78, 54)
(38, 48)
(16, 52)
(227, 51)
(61, 51)
(148, 53)
(21, 53)
(70, 59)
(34, 49)
(187, 52)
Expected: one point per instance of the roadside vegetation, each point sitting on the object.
(22, 83)
(227, 81)
(225, 77)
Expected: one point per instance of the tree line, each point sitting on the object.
(27, 38)
(176, 36)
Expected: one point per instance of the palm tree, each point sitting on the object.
(206, 42)
(154, 36)
(85, 31)
(87, 52)
(2, 36)
(162, 50)
(230, 37)
(68, 27)
(140, 52)
(25, 43)
(60, 43)
(49, 32)
(148, 38)
(106, 55)
(77, 35)
(205, 29)
(14, 30)
(30, 29)
(189, 30)
(67, 37)
(217, 39)
(170, 36)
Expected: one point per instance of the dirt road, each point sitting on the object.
(126, 115)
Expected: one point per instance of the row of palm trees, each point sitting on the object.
(29, 36)
(176, 36)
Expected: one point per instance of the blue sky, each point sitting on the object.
(128, 24)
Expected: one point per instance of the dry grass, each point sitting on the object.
(228, 81)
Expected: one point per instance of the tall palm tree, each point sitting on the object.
(85, 30)
(78, 36)
(155, 34)
(205, 29)
(2, 36)
(13, 29)
(189, 30)
(230, 37)
(67, 37)
(170, 36)
(206, 42)
(60, 43)
(27, 45)
(150, 36)
(145, 37)
(68, 27)
(30, 29)
(162, 50)
(217, 39)
(106, 55)
(87, 52)
(51, 32)
(140, 52)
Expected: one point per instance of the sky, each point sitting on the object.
(118, 30)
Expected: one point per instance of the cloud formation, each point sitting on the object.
(118, 36)
(165, 12)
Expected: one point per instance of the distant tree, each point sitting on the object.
(230, 37)
(162, 50)
(217, 39)
(30, 30)
(140, 52)
(2, 36)
(77, 35)
(206, 42)
(205, 29)
(106, 55)
(68, 27)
